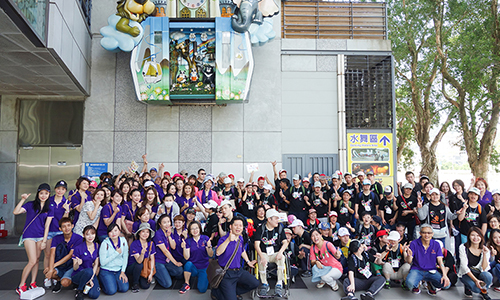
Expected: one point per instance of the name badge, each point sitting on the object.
(343, 210)
(473, 216)
(368, 208)
(250, 206)
(388, 210)
(395, 263)
(270, 250)
(366, 271)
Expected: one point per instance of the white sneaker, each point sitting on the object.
(47, 283)
(320, 285)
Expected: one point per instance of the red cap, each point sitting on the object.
(261, 178)
(230, 176)
(93, 184)
(382, 233)
(282, 171)
(166, 173)
(178, 175)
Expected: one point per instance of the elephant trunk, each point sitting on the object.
(243, 19)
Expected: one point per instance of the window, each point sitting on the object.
(201, 13)
(185, 13)
(368, 91)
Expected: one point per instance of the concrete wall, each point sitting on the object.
(70, 39)
(8, 158)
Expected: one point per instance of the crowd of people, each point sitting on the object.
(129, 230)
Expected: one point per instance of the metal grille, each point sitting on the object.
(304, 163)
(319, 19)
(86, 6)
(368, 91)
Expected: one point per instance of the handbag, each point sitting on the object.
(146, 264)
(21, 242)
(215, 273)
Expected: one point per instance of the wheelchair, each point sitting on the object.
(272, 272)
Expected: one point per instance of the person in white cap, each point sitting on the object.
(211, 227)
(297, 197)
(407, 204)
(388, 209)
(344, 241)
(270, 243)
(437, 215)
(227, 218)
(395, 266)
(267, 198)
(360, 177)
(319, 201)
(494, 206)
(303, 239)
(472, 215)
(366, 201)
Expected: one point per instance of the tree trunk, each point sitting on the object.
(429, 164)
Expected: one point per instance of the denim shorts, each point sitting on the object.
(33, 239)
(64, 274)
(52, 234)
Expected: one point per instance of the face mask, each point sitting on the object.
(169, 204)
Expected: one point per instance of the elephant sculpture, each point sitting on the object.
(252, 11)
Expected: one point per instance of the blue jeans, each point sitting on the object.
(235, 282)
(111, 282)
(415, 276)
(81, 278)
(495, 269)
(134, 276)
(165, 272)
(189, 267)
(484, 276)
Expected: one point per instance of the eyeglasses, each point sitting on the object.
(426, 232)
(203, 173)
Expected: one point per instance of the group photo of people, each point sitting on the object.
(341, 231)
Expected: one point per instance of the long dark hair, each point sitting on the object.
(492, 244)
(37, 204)
(479, 232)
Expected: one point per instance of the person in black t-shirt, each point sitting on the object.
(407, 204)
(349, 183)
(266, 198)
(375, 186)
(360, 276)
(318, 201)
(344, 208)
(303, 240)
(270, 243)
(297, 198)
(324, 228)
(472, 215)
(212, 225)
(283, 194)
(366, 201)
(388, 209)
(312, 222)
(395, 266)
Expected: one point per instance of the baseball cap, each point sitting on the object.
(377, 219)
(287, 230)
(436, 191)
(148, 183)
(369, 172)
(61, 183)
(317, 184)
(44, 186)
(312, 210)
(272, 213)
(324, 226)
(394, 236)
(153, 169)
(408, 186)
(338, 172)
(296, 177)
(382, 233)
(305, 179)
(361, 173)
(210, 204)
(107, 181)
(367, 182)
(224, 202)
(282, 171)
(241, 180)
(261, 178)
(333, 213)
(335, 176)
(347, 173)
(166, 173)
(190, 210)
(231, 176)
(227, 180)
(388, 190)
(347, 191)
(474, 190)
(93, 184)
(495, 191)
(267, 186)
(343, 231)
(296, 223)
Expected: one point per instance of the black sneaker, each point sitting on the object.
(485, 296)
(135, 288)
(79, 295)
(403, 286)
(467, 292)
(367, 296)
(56, 288)
(306, 274)
(431, 290)
(387, 284)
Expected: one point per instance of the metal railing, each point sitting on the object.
(319, 19)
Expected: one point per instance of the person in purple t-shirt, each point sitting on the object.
(35, 232)
(236, 281)
(110, 213)
(143, 247)
(61, 252)
(79, 196)
(142, 215)
(423, 255)
(197, 249)
(166, 265)
(86, 265)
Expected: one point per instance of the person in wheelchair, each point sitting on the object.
(270, 243)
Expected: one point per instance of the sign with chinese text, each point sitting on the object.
(371, 152)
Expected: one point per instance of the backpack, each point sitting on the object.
(327, 249)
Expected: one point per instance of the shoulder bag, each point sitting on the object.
(215, 272)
